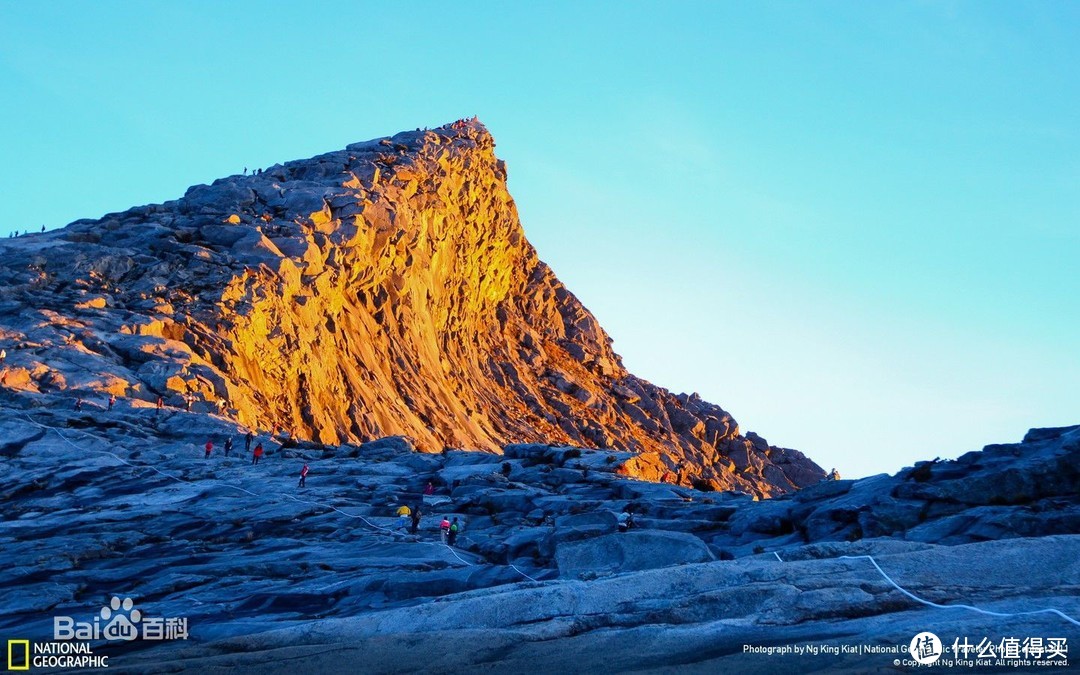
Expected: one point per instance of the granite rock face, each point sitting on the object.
(270, 576)
(384, 289)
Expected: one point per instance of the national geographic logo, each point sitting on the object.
(18, 655)
(52, 655)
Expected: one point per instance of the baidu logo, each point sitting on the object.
(119, 620)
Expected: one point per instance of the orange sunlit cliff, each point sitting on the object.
(384, 289)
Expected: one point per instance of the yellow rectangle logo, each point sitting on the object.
(11, 654)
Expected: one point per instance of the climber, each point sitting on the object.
(257, 455)
(834, 475)
(245, 170)
(452, 533)
(160, 403)
(209, 448)
(228, 446)
(3, 355)
(247, 441)
(42, 228)
(444, 528)
(78, 404)
(626, 520)
(112, 401)
(303, 475)
(187, 402)
(403, 514)
(430, 489)
(415, 517)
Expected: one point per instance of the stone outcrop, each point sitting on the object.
(384, 289)
(1018, 489)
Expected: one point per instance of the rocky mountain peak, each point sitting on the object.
(383, 289)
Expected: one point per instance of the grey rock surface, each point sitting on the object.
(122, 502)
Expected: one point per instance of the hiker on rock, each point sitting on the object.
(415, 517)
(247, 441)
(452, 532)
(403, 514)
(78, 404)
(626, 520)
(112, 401)
(160, 403)
(187, 402)
(303, 475)
(257, 455)
(3, 355)
(834, 475)
(430, 489)
(228, 446)
(209, 448)
(444, 529)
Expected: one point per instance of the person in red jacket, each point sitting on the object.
(444, 528)
(303, 475)
(257, 455)
(209, 448)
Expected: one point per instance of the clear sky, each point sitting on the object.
(856, 226)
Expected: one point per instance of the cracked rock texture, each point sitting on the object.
(383, 289)
(272, 577)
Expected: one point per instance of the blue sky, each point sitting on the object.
(856, 226)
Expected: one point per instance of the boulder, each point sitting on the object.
(584, 525)
(629, 551)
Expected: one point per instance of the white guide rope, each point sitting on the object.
(940, 606)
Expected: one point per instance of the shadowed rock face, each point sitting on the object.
(385, 289)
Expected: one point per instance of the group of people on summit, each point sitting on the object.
(458, 124)
(15, 233)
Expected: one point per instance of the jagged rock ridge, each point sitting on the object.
(384, 289)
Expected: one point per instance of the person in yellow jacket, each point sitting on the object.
(403, 514)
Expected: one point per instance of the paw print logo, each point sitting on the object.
(121, 618)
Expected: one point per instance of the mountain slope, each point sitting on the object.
(385, 289)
